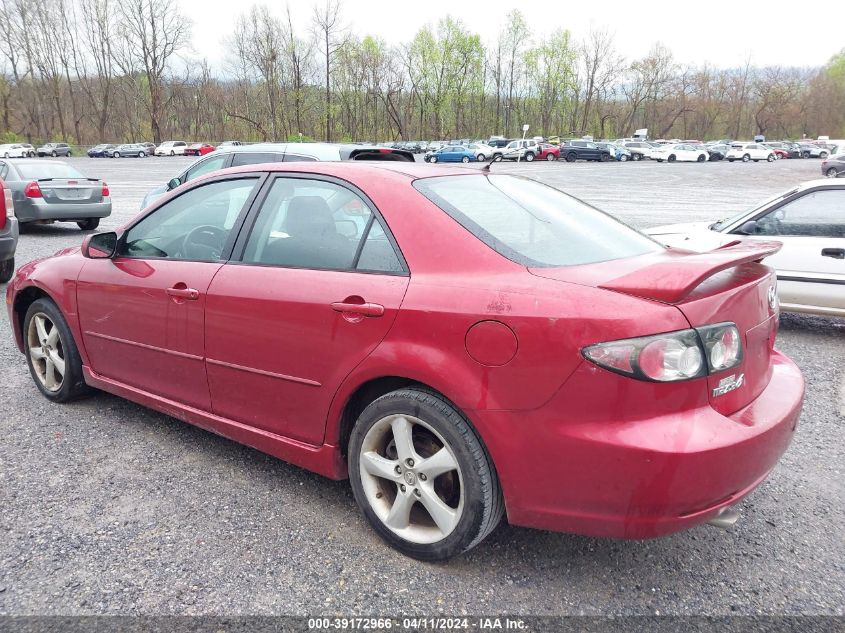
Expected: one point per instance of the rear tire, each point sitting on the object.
(571, 157)
(746, 158)
(604, 158)
(7, 270)
(141, 154)
(481, 158)
(48, 341)
(672, 158)
(433, 159)
(529, 157)
(53, 154)
(550, 157)
(770, 158)
(390, 484)
(89, 224)
(636, 157)
(172, 153)
(465, 159)
(701, 158)
(116, 155)
(623, 158)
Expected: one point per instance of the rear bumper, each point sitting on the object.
(8, 239)
(35, 210)
(639, 478)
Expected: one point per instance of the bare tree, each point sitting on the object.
(152, 32)
(329, 30)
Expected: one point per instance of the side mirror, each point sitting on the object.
(749, 228)
(99, 245)
(173, 183)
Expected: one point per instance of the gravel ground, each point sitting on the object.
(110, 508)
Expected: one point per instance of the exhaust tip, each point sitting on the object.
(726, 518)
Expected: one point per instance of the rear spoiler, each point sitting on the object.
(671, 280)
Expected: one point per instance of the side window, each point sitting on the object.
(816, 214)
(206, 166)
(254, 158)
(298, 158)
(194, 226)
(378, 255)
(306, 223)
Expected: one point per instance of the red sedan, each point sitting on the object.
(461, 345)
(198, 149)
(548, 152)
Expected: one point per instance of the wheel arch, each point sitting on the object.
(23, 299)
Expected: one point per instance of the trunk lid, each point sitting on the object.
(727, 284)
(70, 190)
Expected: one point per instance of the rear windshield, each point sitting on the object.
(533, 224)
(47, 170)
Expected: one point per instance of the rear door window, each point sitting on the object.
(254, 158)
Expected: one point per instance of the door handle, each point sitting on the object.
(365, 309)
(184, 293)
(835, 253)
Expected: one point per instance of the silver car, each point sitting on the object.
(54, 149)
(53, 191)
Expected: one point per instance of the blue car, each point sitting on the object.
(619, 152)
(451, 154)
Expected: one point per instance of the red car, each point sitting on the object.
(548, 152)
(462, 345)
(198, 149)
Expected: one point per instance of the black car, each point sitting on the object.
(500, 142)
(574, 150)
(834, 167)
(101, 151)
(718, 151)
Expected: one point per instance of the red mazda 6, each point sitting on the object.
(461, 345)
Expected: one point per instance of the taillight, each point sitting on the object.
(8, 209)
(105, 190)
(673, 356)
(33, 190)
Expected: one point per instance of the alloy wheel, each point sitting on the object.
(411, 479)
(46, 351)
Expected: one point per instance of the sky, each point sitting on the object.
(722, 33)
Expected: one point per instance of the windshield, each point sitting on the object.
(533, 224)
(47, 170)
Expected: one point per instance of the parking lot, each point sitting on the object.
(108, 507)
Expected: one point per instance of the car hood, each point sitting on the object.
(153, 195)
(693, 236)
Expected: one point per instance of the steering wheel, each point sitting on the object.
(204, 242)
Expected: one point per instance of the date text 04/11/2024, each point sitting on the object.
(418, 623)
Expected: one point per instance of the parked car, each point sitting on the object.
(482, 151)
(808, 221)
(53, 191)
(30, 150)
(149, 148)
(718, 151)
(499, 143)
(8, 233)
(810, 150)
(750, 151)
(618, 152)
(171, 148)
(834, 167)
(784, 150)
(54, 149)
(199, 149)
(239, 155)
(229, 144)
(129, 150)
(519, 149)
(542, 358)
(13, 150)
(452, 154)
(548, 152)
(680, 152)
(576, 149)
(101, 151)
(639, 149)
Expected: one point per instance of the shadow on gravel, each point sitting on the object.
(810, 324)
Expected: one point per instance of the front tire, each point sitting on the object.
(636, 156)
(53, 154)
(672, 158)
(116, 155)
(172, 153)
(141, 154)
(481, 158)
(51, 353)
(465, 159)
(831, 173)
(529, 157)
(88, 224)
(571, 157)
(433, 159)
(421, 476)
(701, 158)
(7, 269)
(746, 158)
(623, 158)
